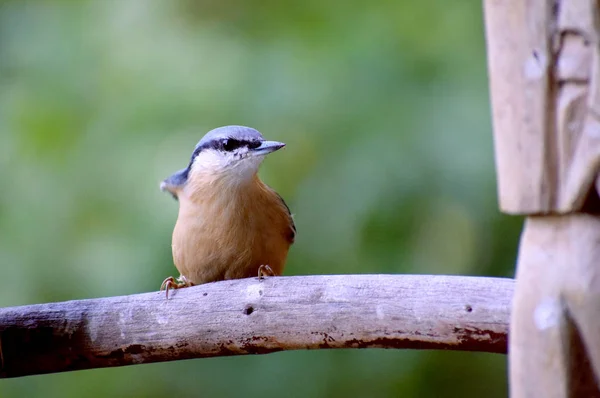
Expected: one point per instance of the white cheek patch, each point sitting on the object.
(210, 161)
(240, 153)
(234, 166)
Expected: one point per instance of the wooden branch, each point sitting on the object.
(249, 316)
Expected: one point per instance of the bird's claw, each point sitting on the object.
(172, 283)
(265, 270)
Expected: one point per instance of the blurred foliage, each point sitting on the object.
(388, 169)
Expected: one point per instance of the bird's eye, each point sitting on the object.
(230, 144)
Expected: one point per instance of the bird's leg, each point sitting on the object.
(172, 283)
(265, 270)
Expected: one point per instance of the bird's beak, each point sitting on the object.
(175, 182)
(267, 147)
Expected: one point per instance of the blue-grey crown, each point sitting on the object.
(241, 133)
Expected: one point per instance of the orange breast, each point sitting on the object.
(229, 236)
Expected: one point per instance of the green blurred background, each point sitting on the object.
(388, 169)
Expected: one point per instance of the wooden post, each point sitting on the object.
(544, 69)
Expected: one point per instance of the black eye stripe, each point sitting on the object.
(253, 144)
(225, 144)
(231, 144)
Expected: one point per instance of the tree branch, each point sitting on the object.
(249, 316)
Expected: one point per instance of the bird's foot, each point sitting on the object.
(265, 270)
(172, 283)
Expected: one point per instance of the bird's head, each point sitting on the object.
(229, 154)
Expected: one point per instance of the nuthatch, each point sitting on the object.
(231, 224)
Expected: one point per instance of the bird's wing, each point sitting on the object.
(292, 236)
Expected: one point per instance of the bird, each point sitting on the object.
(230, 224)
